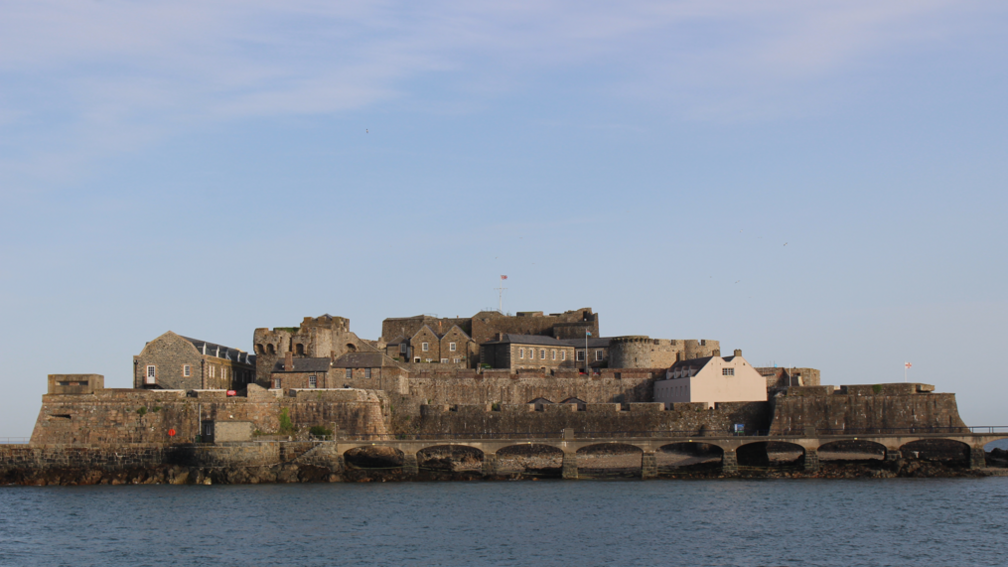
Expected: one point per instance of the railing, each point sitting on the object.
(14, 440)
(985, 429)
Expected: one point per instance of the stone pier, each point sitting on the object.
(570, 467)
(729, 461)
(409, 465)
(649, 465)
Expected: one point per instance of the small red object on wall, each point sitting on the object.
(171, 433)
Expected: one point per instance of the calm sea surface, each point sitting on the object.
(872, 522)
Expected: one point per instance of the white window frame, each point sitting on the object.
(542, 354)
(425, 347)
(444, 361)
(186, 370)
(521, 353)
(277, 383)
(563, 355)
(598, 354)
(416, 360)
(349, 373)
(456, 360)
(727, 371)
(553, 354)
(313, 381)
(367, 372)
(151, 374)
(451, 347)
(580, 355)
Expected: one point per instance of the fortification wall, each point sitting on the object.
(863, 407)
(606, 419)
(113, 417)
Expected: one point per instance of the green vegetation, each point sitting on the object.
(142, 411)
(156, 409)
(496, 406)
(291, 330)
(285, 422)
(877, 388)
(485, 365)
(320, 431)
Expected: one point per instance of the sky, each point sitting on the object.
(820, 184)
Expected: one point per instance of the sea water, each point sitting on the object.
(543, 523)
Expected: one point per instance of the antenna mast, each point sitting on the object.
(500, 295)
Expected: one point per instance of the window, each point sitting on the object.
(186, 370)
(456, 360)
(271, 349)
(444, 361)
(313, 382)
(521, 353)
(598, 355)
(553, 354)
(367, 372)
(580, 355)
(563, 355)
(276, 383)
(424, 347)
(451, 347)
(150, 373)
(542, 354)
(349, 372)
(416, 359)
(429, 360)
(211, 370)
(402, 347)
(727, 371)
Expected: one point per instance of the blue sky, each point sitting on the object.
(817, 183)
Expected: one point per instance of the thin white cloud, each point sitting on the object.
(120, 65)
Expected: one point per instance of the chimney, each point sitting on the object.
(738, 352)
(500, 336)
(288, 361)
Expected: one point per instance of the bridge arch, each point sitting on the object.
(765, 454)
(373, 457)
(530, 459)
(852, 450)
(450, 457)
(948, 451)
(682, 457)
(614, 459)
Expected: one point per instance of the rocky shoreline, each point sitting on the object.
(463, 471)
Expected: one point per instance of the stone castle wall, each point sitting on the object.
(635, 419)
(899, 406)
(113, 417)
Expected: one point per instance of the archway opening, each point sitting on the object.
(530, 460)
(851, 451)
(771, 454)
(373, 458)
(609, 460)
(350, 347)
(943, 451)
(450, 458)
(688, 457)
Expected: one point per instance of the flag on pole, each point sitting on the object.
(907, 365)
(587, 333)
(503, 277)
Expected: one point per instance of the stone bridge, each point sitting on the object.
(892, 444)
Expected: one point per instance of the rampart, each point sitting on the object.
(591, 419)
(898, 406)
(125, 416)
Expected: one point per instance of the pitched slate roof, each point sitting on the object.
(364, 360)
(221, 351)
(304, 364)
(600, 342)
(696, 363)
(538, 340)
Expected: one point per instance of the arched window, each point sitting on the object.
(300, 349)
(271, 349)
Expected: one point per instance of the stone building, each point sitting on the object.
(486, 325)
(711, 380)
(368, 370)
(302, 373)
(640, 351)
(174, 362)
(781, 378)
(597, 351)
(518, 352)
(317, 337)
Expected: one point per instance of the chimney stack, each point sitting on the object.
(738, 352)
(288, 361)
